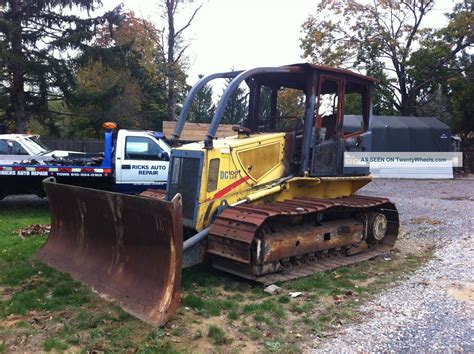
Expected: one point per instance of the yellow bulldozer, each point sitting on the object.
(272, 203)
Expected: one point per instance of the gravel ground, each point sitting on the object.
(433, 311)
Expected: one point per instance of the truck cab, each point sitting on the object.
(141, 160)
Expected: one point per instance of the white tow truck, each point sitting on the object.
(132, 162)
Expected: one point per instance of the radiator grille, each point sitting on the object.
(185, 180)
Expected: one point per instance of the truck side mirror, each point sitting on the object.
(164, 156)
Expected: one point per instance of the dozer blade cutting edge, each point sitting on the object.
(128, 248)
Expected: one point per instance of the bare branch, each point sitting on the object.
(423, 11)
(181, 52)
(189, 22)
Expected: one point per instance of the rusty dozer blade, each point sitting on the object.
(128, 248)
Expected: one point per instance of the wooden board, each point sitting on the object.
(197, 131)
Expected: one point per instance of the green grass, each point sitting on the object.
(273, 346)
(15, 253)
(212, 307)
(233, 315)
(218, 335)
(202, 276)
(41, 288)
(52, 343)
(327, 283)
(267, 306)
(88, 320)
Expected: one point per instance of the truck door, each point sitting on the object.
(143, 161)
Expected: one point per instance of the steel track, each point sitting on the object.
(233, 232)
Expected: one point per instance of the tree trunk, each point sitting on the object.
(171, 99)
(403, 105)
(408, 105)
(17, 89)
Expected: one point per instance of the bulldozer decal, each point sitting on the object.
(221, 193)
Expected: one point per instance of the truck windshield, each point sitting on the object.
(36, 146)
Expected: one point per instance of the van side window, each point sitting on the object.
(3, 147)
(10, 147)
(143, 148)
(18, 149)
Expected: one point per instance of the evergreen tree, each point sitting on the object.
(236, 108)
(265, 102)
(203, 108)
(36, 40)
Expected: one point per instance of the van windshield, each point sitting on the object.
(36, 146)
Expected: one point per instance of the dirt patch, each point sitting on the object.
(28, 332)
(198, 330)
(416, 248)
(404, 248)
(425, 220)
(459, 198)
(6, 293)
(463, 292)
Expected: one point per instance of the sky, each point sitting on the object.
(243, 34)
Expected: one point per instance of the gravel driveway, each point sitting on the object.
(434, 309)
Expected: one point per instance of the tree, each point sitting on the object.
(203, 108)
(237, 106)
(388, 39)
(107, 93)
(291, 103)
(120, 78)
(32, 33)
(174, 54)
(460, 93)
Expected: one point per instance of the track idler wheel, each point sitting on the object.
(376, 227)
